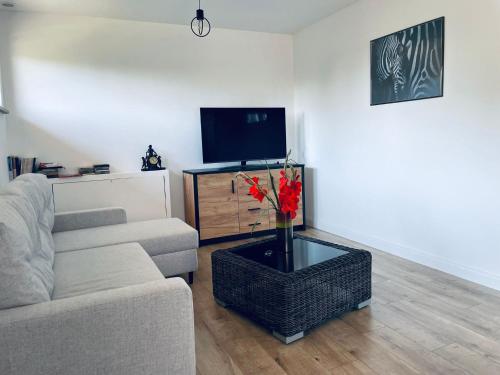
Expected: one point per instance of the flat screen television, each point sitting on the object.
(242, 134)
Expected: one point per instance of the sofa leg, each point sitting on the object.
(190, 277)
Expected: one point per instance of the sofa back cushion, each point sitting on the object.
(26, 275)
(37, 189)
(29, 198)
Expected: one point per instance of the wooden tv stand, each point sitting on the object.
(218, 206)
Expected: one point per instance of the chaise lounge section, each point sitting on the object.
(171, 243)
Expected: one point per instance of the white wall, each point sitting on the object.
(418, 179)
(87, 90)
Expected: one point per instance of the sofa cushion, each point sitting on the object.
(177, 263)
(160, 236)
(37, 189)
(31, 196)
(41, 243)
(25, 276)
(15, 209)
(33, 190)
(93, 270)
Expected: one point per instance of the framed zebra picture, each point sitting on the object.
(408, 65)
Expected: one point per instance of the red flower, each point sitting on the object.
(257, 191)
(288, 193)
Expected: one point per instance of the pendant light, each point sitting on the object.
(200, 26)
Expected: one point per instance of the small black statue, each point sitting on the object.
(152, 161)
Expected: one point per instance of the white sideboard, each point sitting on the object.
(144, 195)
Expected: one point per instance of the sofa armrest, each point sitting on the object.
(74, 220)
(141, 329)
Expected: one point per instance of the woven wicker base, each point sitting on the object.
(289, 304)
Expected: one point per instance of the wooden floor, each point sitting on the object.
(421, 321)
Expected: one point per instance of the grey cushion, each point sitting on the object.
(37, 189)
(15, 207)
(93, 270)
(25, 277)
(173, 264)
(157, 237)
(83, 219)
(31, 196)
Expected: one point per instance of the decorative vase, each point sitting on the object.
(284, 231)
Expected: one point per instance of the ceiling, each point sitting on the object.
(276, 16)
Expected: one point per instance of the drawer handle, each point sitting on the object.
(232, 186)
(254, 209)
(251, 225)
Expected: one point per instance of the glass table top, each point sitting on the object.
(305, 254)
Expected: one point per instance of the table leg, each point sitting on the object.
(364, 304)
(288, 339)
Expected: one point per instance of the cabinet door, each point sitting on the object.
(76, 196)
(142, 197)
(218, 205)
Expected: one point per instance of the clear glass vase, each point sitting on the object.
(284, 231)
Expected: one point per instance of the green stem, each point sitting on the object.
(249, 180)
(271, 178)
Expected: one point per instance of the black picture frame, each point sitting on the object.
(408, 65)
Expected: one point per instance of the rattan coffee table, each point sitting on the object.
(290, 294)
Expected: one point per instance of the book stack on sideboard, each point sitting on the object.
(18, 166)
(51, 170)
(101, 168)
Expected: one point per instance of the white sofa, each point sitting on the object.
(85, 293)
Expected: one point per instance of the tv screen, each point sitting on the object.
(243, 134)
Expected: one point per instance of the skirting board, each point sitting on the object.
(475, 275)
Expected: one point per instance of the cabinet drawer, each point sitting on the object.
(263, 177)
(261, 222)
(253, 206)
(245, 196)
(251, 213)
(260, 226)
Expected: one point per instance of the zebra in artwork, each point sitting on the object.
(408, 65)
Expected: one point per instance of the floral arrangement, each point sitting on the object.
(285, 197)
